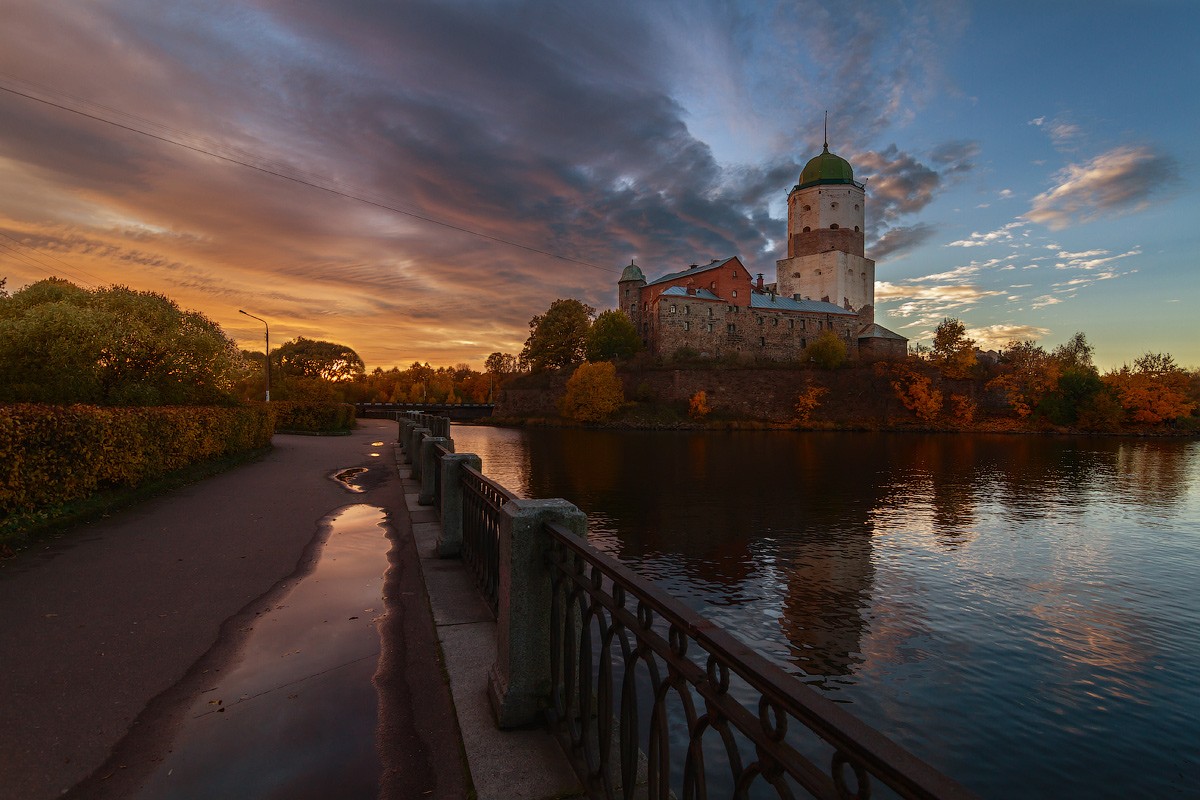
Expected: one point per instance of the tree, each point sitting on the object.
(698, 407)
(3, 291)
(1155, 390)
(953, 351)
(501, 364)
(60, 343)
(611, 336)
(807, 402)
(828, 351)
(558, 338)
(1028, 374)
(917, 393)
(594, 392)
(314, 358)
(1075, 352)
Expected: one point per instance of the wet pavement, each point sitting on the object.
(260, 592)
(296, 714)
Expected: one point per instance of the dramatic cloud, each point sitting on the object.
(996, 337)
(997, 236)
(1121, 181)
(896, 241)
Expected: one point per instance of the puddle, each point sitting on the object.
(350, 478)
(376, 444)
(296, 715)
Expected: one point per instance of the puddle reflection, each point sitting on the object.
(296, 715)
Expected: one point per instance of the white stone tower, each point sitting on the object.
(826, 259)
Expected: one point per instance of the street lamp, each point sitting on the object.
(268, 330)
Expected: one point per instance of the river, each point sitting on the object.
(1023, 612)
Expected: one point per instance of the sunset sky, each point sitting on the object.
(1030, 165)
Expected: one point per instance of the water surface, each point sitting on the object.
(1023, 612)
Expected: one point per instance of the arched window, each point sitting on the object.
(807, 229)
(833, 227)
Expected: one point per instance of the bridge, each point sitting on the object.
(454, 411)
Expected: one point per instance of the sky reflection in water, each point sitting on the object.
(1020, 611)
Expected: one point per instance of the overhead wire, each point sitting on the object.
(70, 267)
(178, 138)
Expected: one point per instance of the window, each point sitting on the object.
(760, 320)
(687, 326)
(713, 285)
(833, 205)
(774, 322)
(762, 340)
(633, 309)
(732, 328)
(807, 229)
(801, 324)
(856, 206)
(819, 325)
(808, 208)
(672, 308)
(687, 309)
(627, 294)
(733, 275)
(833, 227)
(803, 342)
(855, 227)
(791, 324)
(710, 327)
(735, 292)
(710, 311)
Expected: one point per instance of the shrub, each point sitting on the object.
(313, 417)
(807, 402)
(594, 392)
(698, 405)
(827, 352)
(55, 454)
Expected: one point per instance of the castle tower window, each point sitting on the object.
(856, 227)
(808, 208)
(833, 205)
(833, 227)
(807, 229)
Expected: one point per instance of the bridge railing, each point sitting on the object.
(648, 697)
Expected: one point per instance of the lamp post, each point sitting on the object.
(268, 331)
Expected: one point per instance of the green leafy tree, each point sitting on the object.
(953, 351)
(312, 358)
(593, 393)
(827, 351)
(558, 338)
(60, 343)
(501, 364)
(612, 336)
(1075, 352)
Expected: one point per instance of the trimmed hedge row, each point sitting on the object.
(55, 454)
(312, 417)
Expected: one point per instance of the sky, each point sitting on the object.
(418, 179)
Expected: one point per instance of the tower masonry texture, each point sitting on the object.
(825, 284)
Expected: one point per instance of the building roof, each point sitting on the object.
(826, 168)
(875, 331)
(714, 264)
(681, 291)
(775, 302)
(632, 273)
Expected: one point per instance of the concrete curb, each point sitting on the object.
(504, 765)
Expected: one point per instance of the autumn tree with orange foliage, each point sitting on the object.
(698, 405)
(962, 409)
(807, 402)
(1029, 374)
(1155, 390)
(917, 393)
(594, 392)
(953, 351)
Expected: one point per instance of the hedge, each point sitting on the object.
(312, 417)
(55, 454)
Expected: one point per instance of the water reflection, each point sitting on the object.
(296, 715)
(969, 595)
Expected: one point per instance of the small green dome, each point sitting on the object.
(632, 273)
(826, 168)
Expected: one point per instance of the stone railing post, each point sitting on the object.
(430, 468)
(519, 682)
(450, 541)
(402, 435)
(413, 452)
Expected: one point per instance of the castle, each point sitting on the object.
(826, 283)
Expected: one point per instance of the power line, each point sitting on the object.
(49, 255)
(243, 161)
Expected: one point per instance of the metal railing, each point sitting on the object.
(650, 699)
(482, 500)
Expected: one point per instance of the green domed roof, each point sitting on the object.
(826, 168)
(632, 273)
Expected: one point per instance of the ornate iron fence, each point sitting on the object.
(482, 500)
(650, 699)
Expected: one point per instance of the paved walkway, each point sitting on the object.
(109, 634)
